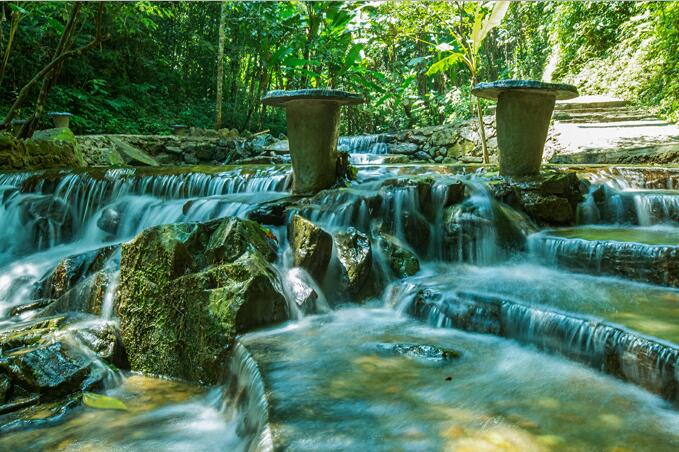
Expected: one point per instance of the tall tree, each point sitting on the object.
(50, 73)
(220, 68)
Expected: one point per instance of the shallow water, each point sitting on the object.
(658, 235)
(332, 387)
(161, 415)
(648, 309)
(332, 381)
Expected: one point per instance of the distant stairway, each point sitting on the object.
(607, 130)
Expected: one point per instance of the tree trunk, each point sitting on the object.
(52, 69)
(482, 127)
(14, 24)
(220, 69)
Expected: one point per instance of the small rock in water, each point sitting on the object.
(300, 288)
(311, 245)
(104, 339)
(50, 370)
(109, 220)
(420, 351)
(355, 256)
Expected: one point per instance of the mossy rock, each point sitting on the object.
(355, 257)
(311, 246)
(186, 290)
(50, 148)
(401, 260)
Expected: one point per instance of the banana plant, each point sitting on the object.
(465, 49)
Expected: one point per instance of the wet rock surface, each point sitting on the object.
(419, 351)
(402, 261)
(311, 246)
(186, 290)
(47, 359)
(300, 288)
(51, 148)
(355, 256)
(48, 369)
(73, 270)
(549, 199)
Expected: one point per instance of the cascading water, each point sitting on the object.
(363, 148)
(352, 378)
(635, 199)
(59, 215)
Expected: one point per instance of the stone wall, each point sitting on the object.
(198, 147)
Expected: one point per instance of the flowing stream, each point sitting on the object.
(508, 337)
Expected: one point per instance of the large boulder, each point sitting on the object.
(186, 290)
(311, 246)
(51, 148)
(355, 257)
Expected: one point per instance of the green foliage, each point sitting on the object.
(159, 66)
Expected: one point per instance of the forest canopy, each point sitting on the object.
(159, 63)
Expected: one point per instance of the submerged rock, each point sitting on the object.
(272, 212)
(355, 257)
(420, 351)
(311, 246)
(186, 290)
(46, 216)
(401, 260)
(109, 220)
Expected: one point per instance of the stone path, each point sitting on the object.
(601, 129)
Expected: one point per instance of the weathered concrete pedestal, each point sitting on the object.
(61, 119)
(313, 128)
(524, 110)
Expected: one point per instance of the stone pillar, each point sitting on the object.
(313, 128)
(522, 125)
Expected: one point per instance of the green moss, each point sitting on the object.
(646, 236)
(188, 289)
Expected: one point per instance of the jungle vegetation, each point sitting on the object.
(139, 67)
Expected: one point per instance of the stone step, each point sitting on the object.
(660, 153)
(643, 254)
(624, 108)
(536, 306)
(603, 117)
(586, 102)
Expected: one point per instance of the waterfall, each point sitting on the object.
(363, 148)
(644, 361)
(244, 401)
(56, 215)
(655, 263)
(624, 196)
(365, 144)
